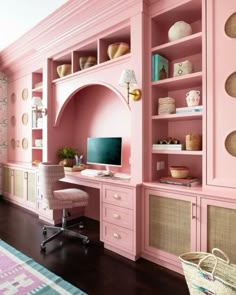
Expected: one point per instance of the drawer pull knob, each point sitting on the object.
(116, 236)
(117, 197)
(116, 216)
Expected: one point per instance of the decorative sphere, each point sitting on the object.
(179, 30)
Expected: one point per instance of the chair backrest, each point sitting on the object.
(49, 175)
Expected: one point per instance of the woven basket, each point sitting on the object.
(166, 105)
(206, 273)
(193, 142)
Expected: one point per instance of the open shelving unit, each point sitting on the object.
(176, 125)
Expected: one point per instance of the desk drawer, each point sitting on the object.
(118, 236)
(118, 196)
(119, 216)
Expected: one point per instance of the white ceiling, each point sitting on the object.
(18, 16)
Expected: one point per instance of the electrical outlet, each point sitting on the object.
(160, 165)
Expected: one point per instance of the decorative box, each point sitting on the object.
(160, 67)
(182, 68)
(166, 105)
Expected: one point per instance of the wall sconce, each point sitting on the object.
(37, 105)
(127, 79)
(37, 111)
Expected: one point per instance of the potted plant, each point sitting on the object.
(67, 156)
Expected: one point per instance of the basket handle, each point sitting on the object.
(226, 258)
(214, 268)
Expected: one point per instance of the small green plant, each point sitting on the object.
(67, 153)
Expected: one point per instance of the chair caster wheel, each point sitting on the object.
(43, 247)
(85, 241)
(81, 225)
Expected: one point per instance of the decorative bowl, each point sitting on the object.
(179, 171)
(117, 49)
(64, 70)
(87, 62)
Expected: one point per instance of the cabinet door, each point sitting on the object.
(170, 224)
(218, 227)
(221, 95)
(18, 184)
(7, 180)
(30, 193)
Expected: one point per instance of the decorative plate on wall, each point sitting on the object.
(230, 143)
(25, 94)
(25, 119)
(230, 85)
(230, 26)
(13, 98)
(25, 143)
(13, 143)
(13, 121)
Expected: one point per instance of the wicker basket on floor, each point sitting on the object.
(206, 273)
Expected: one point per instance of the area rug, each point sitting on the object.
(20, 274)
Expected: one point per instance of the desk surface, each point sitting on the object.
(96, 181)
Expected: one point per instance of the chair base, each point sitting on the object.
(63, 230)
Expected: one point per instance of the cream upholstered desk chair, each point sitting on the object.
(55, 198)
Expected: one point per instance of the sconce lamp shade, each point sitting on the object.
(36, 102)
(128, 79)
(127, 76)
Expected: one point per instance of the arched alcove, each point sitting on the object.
(95, 111)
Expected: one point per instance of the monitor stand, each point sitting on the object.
(107, 172)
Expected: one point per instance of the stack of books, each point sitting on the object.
(168, 147)
(186, 110)
(189, 182)
(160, 67)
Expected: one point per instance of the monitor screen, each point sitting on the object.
(104, 150)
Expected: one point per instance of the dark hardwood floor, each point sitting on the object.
(93, 269)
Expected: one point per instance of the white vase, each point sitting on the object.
(179, 30)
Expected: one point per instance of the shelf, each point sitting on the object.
(94, 68)
(37, 148)
(188, 153)
(38, 89)
(178, 117)
(180, 82)
(189, 45)
(36, 128)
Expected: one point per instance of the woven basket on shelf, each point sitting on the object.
(166, 105)
(206, 273)
(193, 142)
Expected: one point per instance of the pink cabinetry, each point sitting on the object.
(221, 101)
(19, 186)
(120, 226)
(218, 226)
(170, 229)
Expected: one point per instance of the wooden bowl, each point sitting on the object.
(64, 70)
(117, 49)
(179, 171)
(87, 62)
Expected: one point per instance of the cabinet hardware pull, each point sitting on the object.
(117, 197)
(116, 216)
(193, 210)
(116, 236)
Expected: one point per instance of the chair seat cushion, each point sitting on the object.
(71, 194)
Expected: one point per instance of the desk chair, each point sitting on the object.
(55, 198)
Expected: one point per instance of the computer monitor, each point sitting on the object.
(104, 151)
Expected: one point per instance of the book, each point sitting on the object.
(189, 182)
(189, 109)
(160, 67)
(175, 147)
